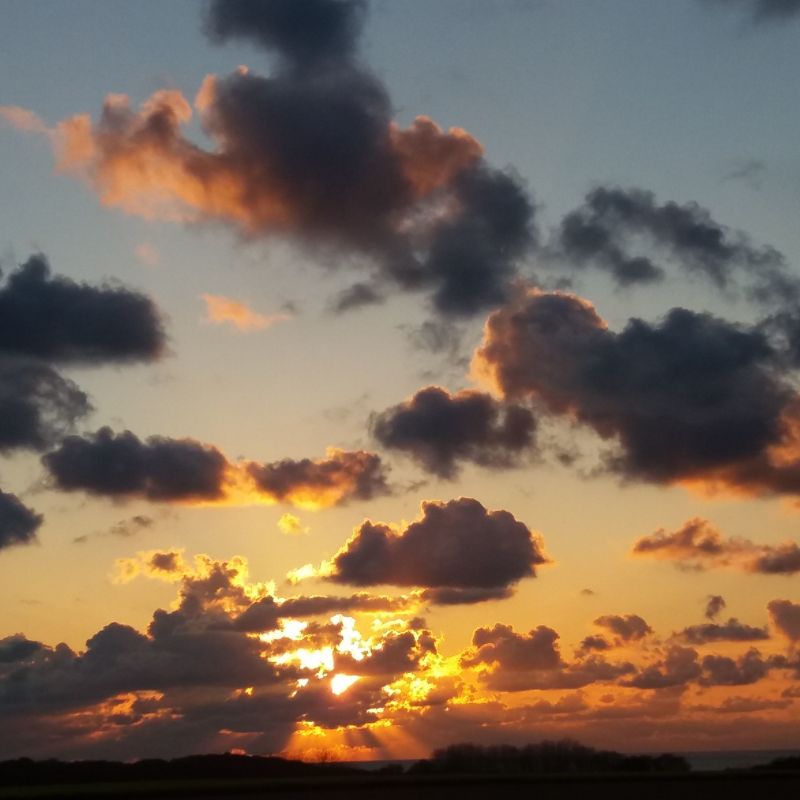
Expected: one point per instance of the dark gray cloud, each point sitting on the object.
(59, 321)
(513, 662)
(593, 642)
(307, 33)
(463, 596)
(37, 404)
(785, 617)
(458, 544)
(678, 667)
(343, 475)
(747, 669)
(18, 648)
(730, 631)
(714, 605)
(18, 523)
(474, 256)
(264, 614)
(606, 230)
(762, 10)
(312, 152)
(122, 465)
(357, 296)
(439, 430)
(46, 321)
(628, 627)
(681, 666)
(536, 650)
(689, 398)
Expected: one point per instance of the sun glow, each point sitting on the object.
(341, 683)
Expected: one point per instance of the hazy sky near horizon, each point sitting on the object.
(577, 219)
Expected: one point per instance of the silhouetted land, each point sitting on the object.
(546, 771)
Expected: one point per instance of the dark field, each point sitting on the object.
(729, 786)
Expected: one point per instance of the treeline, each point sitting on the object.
(562, 757)
(26, 772)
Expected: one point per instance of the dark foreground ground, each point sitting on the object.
(701, 786)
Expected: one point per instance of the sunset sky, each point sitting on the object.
(381, 375)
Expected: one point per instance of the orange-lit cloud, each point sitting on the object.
(691, 399)
(292, 525)
(698, 544)
(222, 310)
(23, 119)
(317, 681)
(186, 471)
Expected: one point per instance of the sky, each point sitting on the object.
(377, 376)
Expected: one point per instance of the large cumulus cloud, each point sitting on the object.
(692, 398)
(311, 152)
(459, 546)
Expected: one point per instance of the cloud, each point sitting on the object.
(166, 470)
(37, 404)
(715, 603)
(601, 232)
(594, 643)
(340, 477)
(747, 669)
(122, 465)
(692, 399)
(223, 310)
(730, 631)
(291, 525)
(698, 544)
(512, 662)
(678, 667)
(306, 34)
(18, 523)
(456, 545)
(785, 617)
(628, 627)
(681, 666)
(165, 565)
(18, 648)
(439, 429)
(23, 119)
(48, 321)
(264, 614)
(357, 296)
(63, 322)
(311, 152)
(763, 10)
(536, 650)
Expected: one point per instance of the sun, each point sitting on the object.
(341, 683)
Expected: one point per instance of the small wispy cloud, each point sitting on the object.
(147, 254)
(291, 525)
(225, 311)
